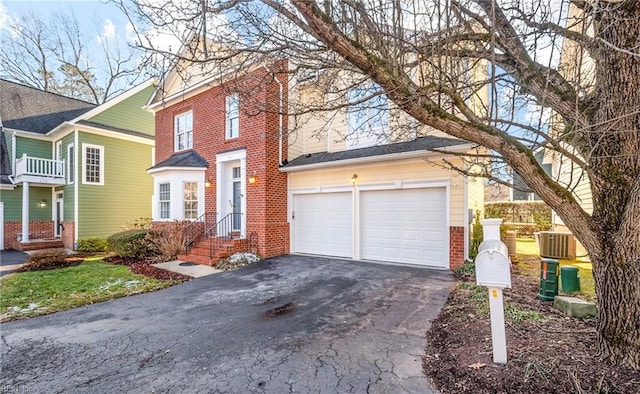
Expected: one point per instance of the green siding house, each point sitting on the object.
(72, 169)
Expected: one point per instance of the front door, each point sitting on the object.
(59, 214)
(236, 199)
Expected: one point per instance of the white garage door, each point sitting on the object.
(323, 224)
(405, 226)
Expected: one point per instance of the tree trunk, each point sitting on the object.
(613, 156)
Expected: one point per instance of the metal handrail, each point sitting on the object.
(229, 227)
(198, 229)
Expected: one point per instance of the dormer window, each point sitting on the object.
(183, 131)
(233, 116)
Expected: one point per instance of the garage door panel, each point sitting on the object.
(323, 224)
(405, 226)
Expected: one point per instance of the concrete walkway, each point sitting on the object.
(287, 324)
(190, 269)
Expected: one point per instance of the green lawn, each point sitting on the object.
(528, 254)
(35, 293)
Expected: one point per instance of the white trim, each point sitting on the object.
(1, 225)
(76, 203)
(71, 158)
(227, 116)
(100, 148)
(465, 206)
(186, 115)
(55, 199)
(13, 154)
(165, 169)
(28, 134)
(377, 158)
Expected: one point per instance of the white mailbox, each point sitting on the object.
(493, 268)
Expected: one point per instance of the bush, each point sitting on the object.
(169, 241)
(476, 237)
(131, 244)
(137, 224)
(92, 244)
(49, 261)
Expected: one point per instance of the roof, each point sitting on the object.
(189, 158)
(26, 108)
(419, 144)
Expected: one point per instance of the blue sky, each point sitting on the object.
(92, 14)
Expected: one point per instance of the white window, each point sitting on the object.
(71, 164)
(164, 197)
(92, 164)
(184, 131)
(233, 116)
(368, 117)
(190, 200)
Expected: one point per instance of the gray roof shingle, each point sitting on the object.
(419, 144)
(29, 109)
(183, 159)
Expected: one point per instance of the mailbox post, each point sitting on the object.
(493, 271)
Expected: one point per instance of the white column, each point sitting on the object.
(498, 336)
(25, 211)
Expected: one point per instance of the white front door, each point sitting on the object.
(59, 214)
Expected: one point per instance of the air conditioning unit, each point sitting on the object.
(557, 245)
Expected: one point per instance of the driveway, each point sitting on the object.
(287, 324)
(11, 260)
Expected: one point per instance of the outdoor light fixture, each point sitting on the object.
(253, 178)
(43, 203)
(208, 183)
(354, 179)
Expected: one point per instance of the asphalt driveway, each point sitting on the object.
(287, 324)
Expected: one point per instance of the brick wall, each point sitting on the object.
(266, 200)
(38, 229)
(456, 247)
(68, 234)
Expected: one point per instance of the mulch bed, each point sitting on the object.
(553, 355)
(145, 268)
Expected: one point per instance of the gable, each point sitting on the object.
(129, 114)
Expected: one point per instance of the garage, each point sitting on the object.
(405, 226)
(323, 224)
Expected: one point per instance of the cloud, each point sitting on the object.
(108, 31)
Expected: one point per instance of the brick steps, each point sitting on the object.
(199, 254)
(37, 244)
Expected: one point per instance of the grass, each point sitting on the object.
(36, 293)
(479, 297)
(528, 254)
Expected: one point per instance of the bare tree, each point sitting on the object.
(54, 54)
(421, 53)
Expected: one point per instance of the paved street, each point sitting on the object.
(287, 324)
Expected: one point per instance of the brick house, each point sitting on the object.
(228, 160)
(218, 151)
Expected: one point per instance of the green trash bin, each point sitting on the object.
(570, 278)
(549, 273)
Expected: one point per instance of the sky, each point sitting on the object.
(94, 14)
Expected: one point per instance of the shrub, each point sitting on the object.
(48, 261)
(476, 237)
(137, 224)
(169, 241)
(92, 244)
(131, 244)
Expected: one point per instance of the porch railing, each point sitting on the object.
(36, 166)
(228, 228)
(202, 227)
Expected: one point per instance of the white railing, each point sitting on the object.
(34, 166)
